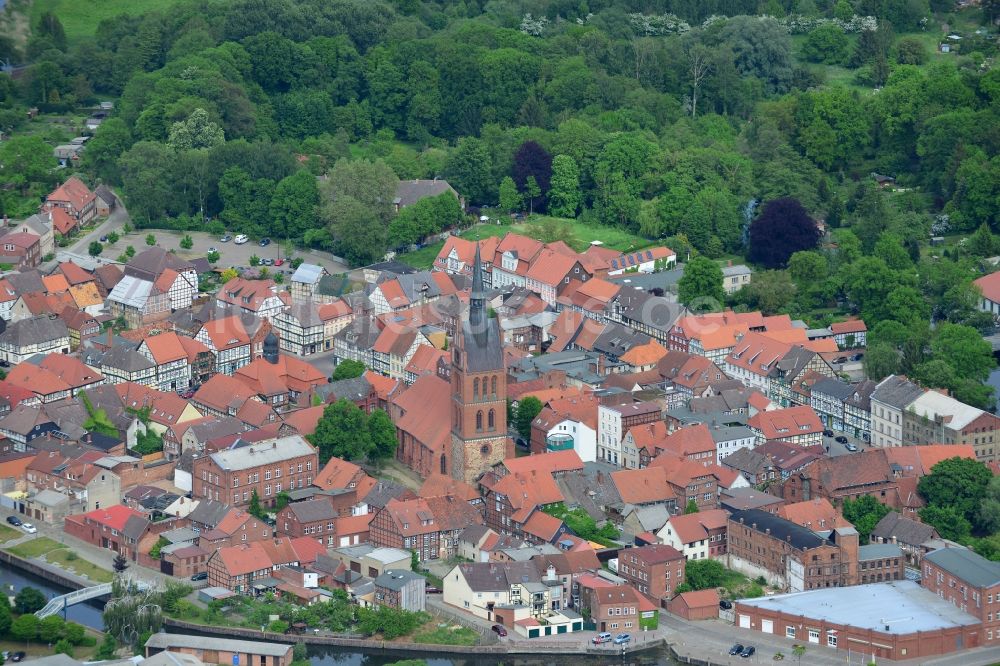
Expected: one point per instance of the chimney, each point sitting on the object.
(111, 336)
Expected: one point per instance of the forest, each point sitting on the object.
(676, 121)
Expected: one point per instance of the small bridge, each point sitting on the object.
(60, 603)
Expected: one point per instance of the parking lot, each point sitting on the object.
(835, 448)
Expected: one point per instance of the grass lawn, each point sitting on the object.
(80, 17)
(60, 555)
(451, 635)
(9, 533)
(35, 547)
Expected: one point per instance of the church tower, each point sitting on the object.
(478, 390)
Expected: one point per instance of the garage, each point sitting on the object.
(767, 626)
(744, 621)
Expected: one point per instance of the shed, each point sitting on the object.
(699, 605)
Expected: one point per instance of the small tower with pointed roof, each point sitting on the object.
(479, 391)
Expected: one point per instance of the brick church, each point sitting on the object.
(479, 437)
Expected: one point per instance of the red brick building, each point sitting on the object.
(267, 467)
(313, 518)
(655, 570)
(968, 581)
(117, 528)
(791, 556)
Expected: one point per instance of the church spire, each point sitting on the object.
(477, 300)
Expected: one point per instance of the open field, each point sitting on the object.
(9, 533)
(80, 18)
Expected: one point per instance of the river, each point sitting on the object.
(89, 614)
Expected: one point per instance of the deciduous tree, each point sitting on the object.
(782, 229)
(701, 285)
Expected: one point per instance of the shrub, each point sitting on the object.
(64, 647)
(150, 240)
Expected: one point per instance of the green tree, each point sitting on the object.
(382, 433)
(186, 242)
(6, 617)
(692, 507)
(532, 191)
(281, 500)
(701, 285)
(154, 551)
(510, 198)
(104, 149)
(106, 650)
(342, 432)
(527, 409)
(295, 205)
(704, 574)
(948, 522)
(468, 170)
(826, 44)
(50, 629)
(75, 633)
(956, 483)
(564, 188)
(196, 131)
(113, 238)
(864, 513)
(25, 160)
(213, 256)
(150, 240)
(799, 651)
(881, 360)
(28, 600)
(95, 248)
(964, 349)
(255, 509)
(348, 369)
(25, 627)
(988, 517)
(63, 646)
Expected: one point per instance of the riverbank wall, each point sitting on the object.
(532, 647)
(54, 574)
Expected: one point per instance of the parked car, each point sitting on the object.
(602, 637)
(432, 590)
(226, 238)
(212, 249)
(279, 261)
(18, 656)
(857, 357)
(841, 439)
(748, 651)
(840, 359)
(264, 242)
(736, 649)
(241, 239)
(850, 447)
(725, 604)
(828, 433)
(104, 239)
(14, 520)
(499, 630)
(29, 528)
(622, 639)
(267, 262)
(201, 575)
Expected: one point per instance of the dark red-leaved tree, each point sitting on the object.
(782, 229)
(533, 160)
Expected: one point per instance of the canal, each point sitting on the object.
(89, 614)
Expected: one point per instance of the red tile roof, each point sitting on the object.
(71, 370)
(543, 526)
(643, 486)
(55, 283)
(789, 422)
(113, 517)
(442, 485)
(244, 559)
(691, 441)
(551, 462)
(166, 347)
(74, 192)
(73, 273)
(62, 221)
(226, 333)
(338, 473)
(693, 527)
(816, 514)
